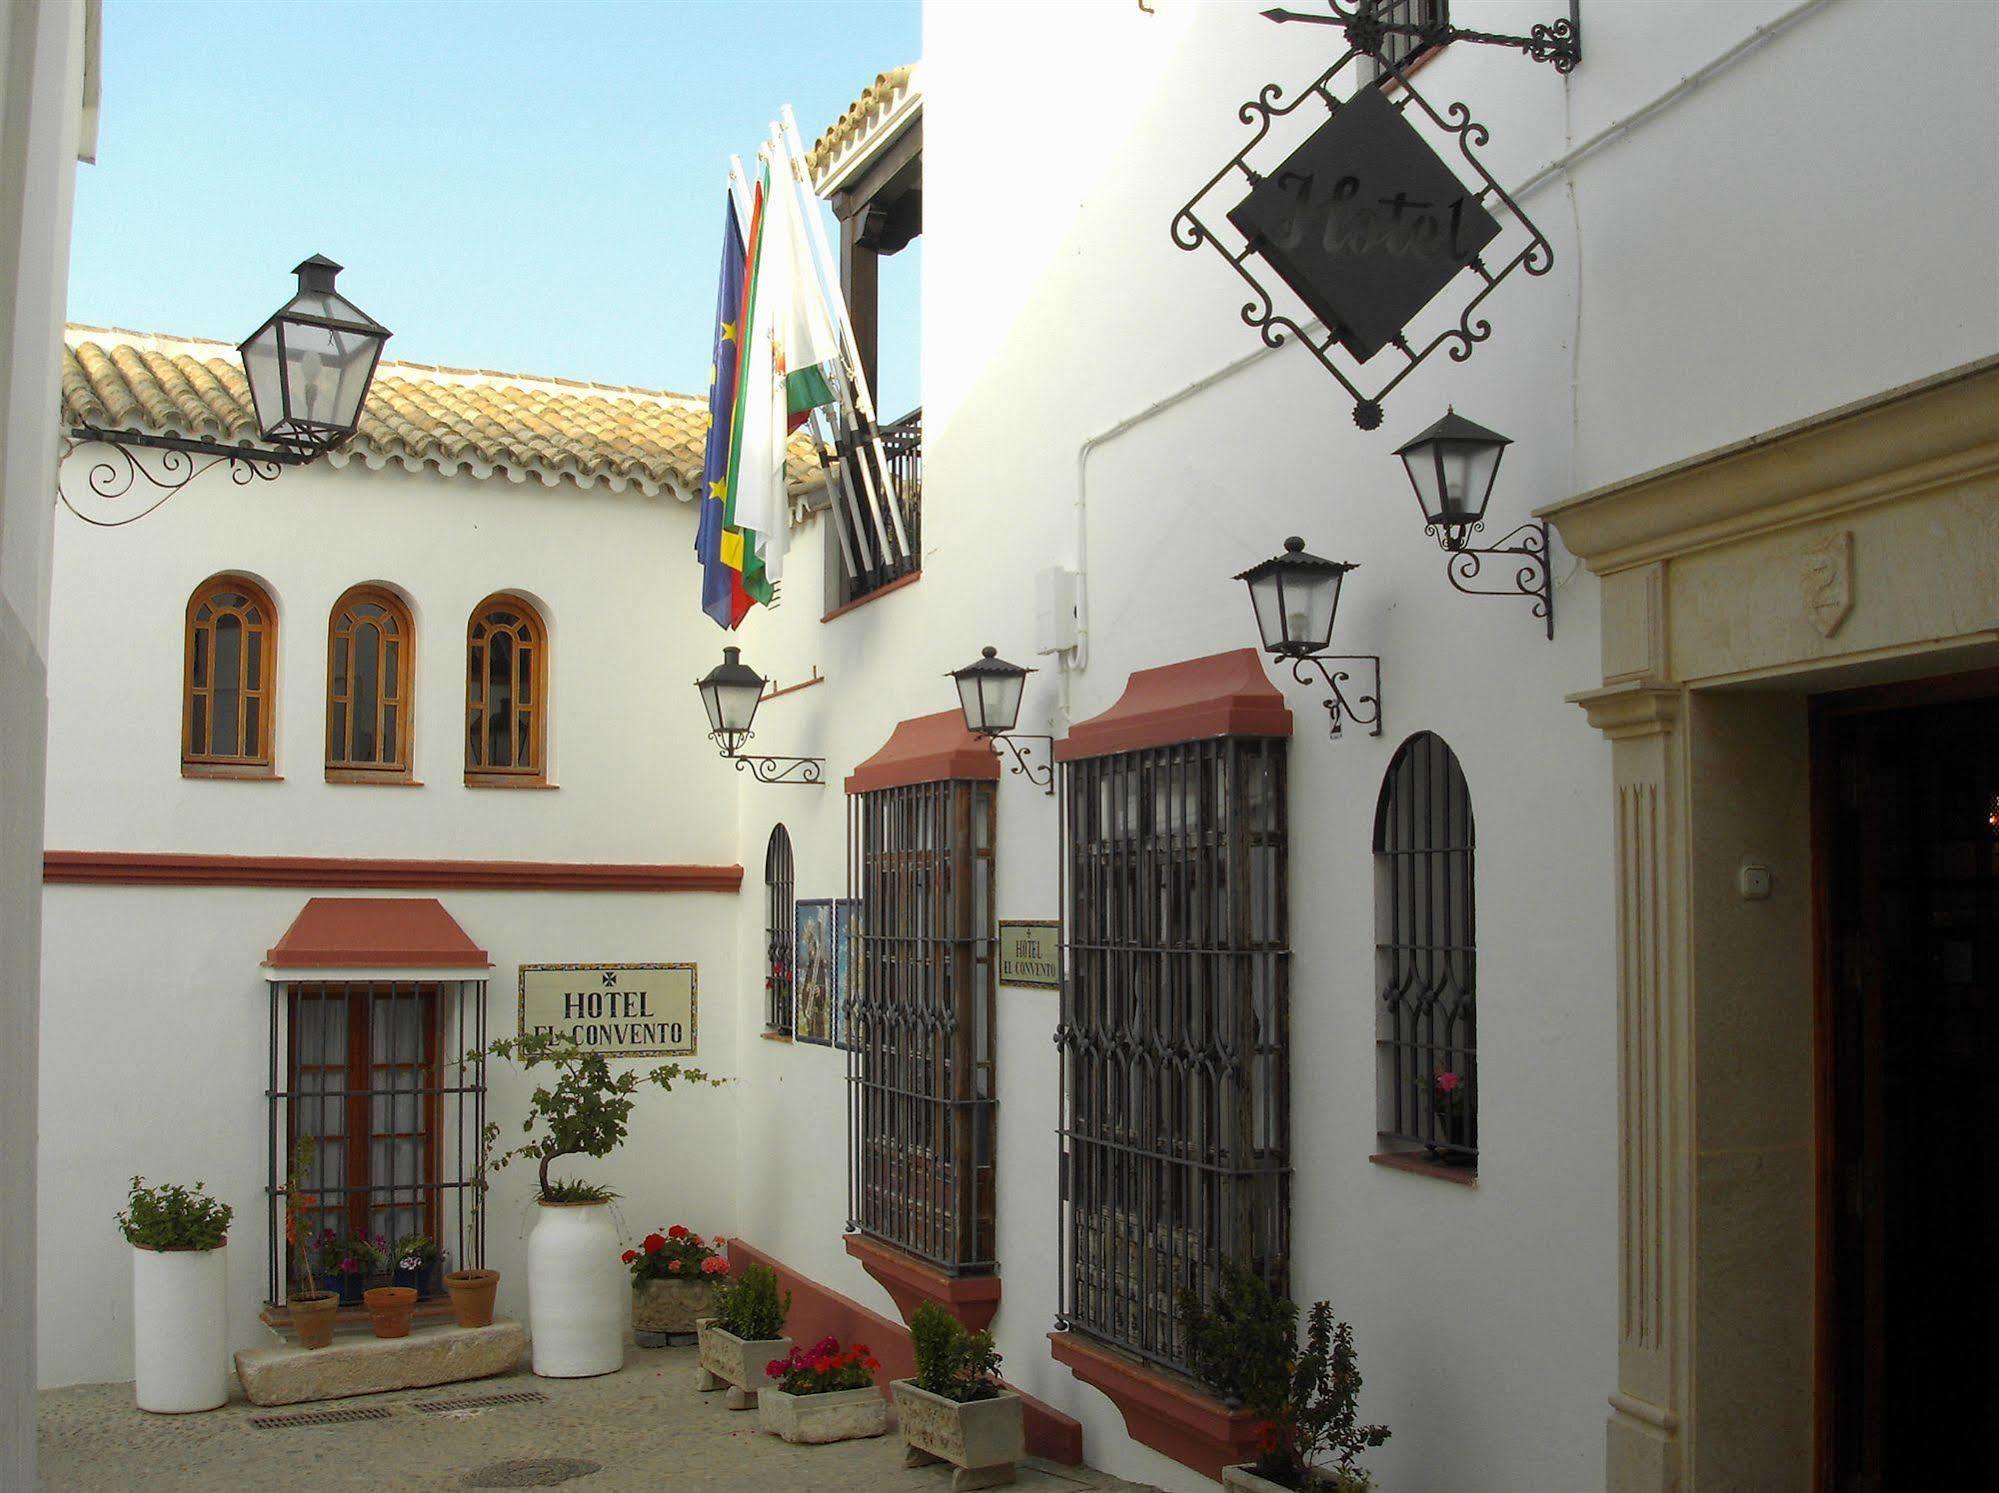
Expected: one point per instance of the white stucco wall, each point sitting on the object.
(42, 54)
(154, 1045)
(1713, 277)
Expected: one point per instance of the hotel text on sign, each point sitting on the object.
(616, 1010)
(1030, 954)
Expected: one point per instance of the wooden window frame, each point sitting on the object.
(535, 773)
(244, 764)
(396, 769)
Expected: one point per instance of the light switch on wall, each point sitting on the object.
(1753, 881)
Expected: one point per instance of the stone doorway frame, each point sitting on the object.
(1857, 547)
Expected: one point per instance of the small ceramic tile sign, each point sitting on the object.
(1030, 954)
(616, 1010)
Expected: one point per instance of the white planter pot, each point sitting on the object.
(577, 1292)
(981, 1438)
(180, 1329)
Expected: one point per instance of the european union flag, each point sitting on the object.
(722, 595)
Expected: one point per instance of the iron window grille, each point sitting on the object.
(902, 446)
(1174, 1036)
(389, 1079)
(1399, 50)
(1426, 953)
(779, 896)
(920, 1023)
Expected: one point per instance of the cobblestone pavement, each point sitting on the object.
(644, 1427)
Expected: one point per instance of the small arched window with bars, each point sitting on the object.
(779, 895)
(370, 662)
(227, 679)
(506, 692)
(1426, 960)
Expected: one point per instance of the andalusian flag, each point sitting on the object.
(722, 594)
(800, 319)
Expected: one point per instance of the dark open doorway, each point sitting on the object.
(1909, 1041)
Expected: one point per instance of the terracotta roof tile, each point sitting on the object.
(449, 419)
(852, 129)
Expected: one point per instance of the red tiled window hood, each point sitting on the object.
(1224, 694)
(929, 749)
(1161, 1410)
(375, 933)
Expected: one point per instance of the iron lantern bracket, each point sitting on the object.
(1044, 775)
(1526, 550)
(183, 459)
(1360, 709)
(806, 772)
(1559, 41)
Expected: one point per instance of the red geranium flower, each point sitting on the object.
(629, 1255)
(654, 1244)
(678, 1231)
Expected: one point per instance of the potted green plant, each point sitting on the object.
(673, 1283)
(180, 1296)
(956, 1409)
(576, 1316)
(822, 1393)
(349, 1266)
(1245, 1347)
(310, 1308)
(744, 1337)
(472, 1289)
(417, 1259)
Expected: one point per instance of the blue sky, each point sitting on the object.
(517, 185)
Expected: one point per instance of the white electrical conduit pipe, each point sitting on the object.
(1075, 660)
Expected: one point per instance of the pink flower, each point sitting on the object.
(673, 1266)
(714, 1265)
(1447, 1082)
(775, 1368)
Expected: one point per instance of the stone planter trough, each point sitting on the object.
(1242, 1480)
(664, 1309)
(736, 1364)
(982, 1439)
(813, 1420)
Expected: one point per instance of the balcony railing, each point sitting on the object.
(890, 558)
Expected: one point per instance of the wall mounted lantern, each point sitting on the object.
(309, 368)
(1295, 597)
(730, 693)
(1452, 466)
(989, 691)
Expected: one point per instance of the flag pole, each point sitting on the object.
(864, 401)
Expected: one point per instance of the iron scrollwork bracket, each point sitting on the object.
(805, 771)
(1361, 709)
(1536, 256)
(1559, 41)
(178, 463)
(1525, 549)
(1044, 775)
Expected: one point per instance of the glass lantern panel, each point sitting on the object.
(326, 373)
(263, 367)
(972, 702)
(711, 701)
(739, 704)
(1266, 595)
(1002, 699)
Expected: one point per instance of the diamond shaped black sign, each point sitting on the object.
(1365, 222)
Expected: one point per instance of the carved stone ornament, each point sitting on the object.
(1827, 577)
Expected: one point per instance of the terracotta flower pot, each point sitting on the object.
(472, 1296)
(314, 1314)
(389, 1309)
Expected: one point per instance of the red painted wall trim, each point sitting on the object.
(146, 868)
(1171, 1415)
(817, 1311)
(973, 1299)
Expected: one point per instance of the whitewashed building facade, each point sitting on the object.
(1754, 401)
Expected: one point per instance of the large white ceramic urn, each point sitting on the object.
(180, 1329)
(578, 1291)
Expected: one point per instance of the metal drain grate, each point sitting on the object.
(480, 1402)
(317, 1418)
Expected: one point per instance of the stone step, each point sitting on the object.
(291, 1375)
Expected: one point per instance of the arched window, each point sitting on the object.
(370, 664)
(1426, 961)
(226, 679)
(506, 687)
(778, 893)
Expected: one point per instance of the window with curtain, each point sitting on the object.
(920, 1070)
(1426, 956)
(778, 906)
(227, 679)
(370, 663)
(506, 679)
(1174, 1035)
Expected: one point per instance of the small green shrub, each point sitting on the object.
(951, 1362)
(1241, 1344)
(750, 1307)
(174, 1217)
